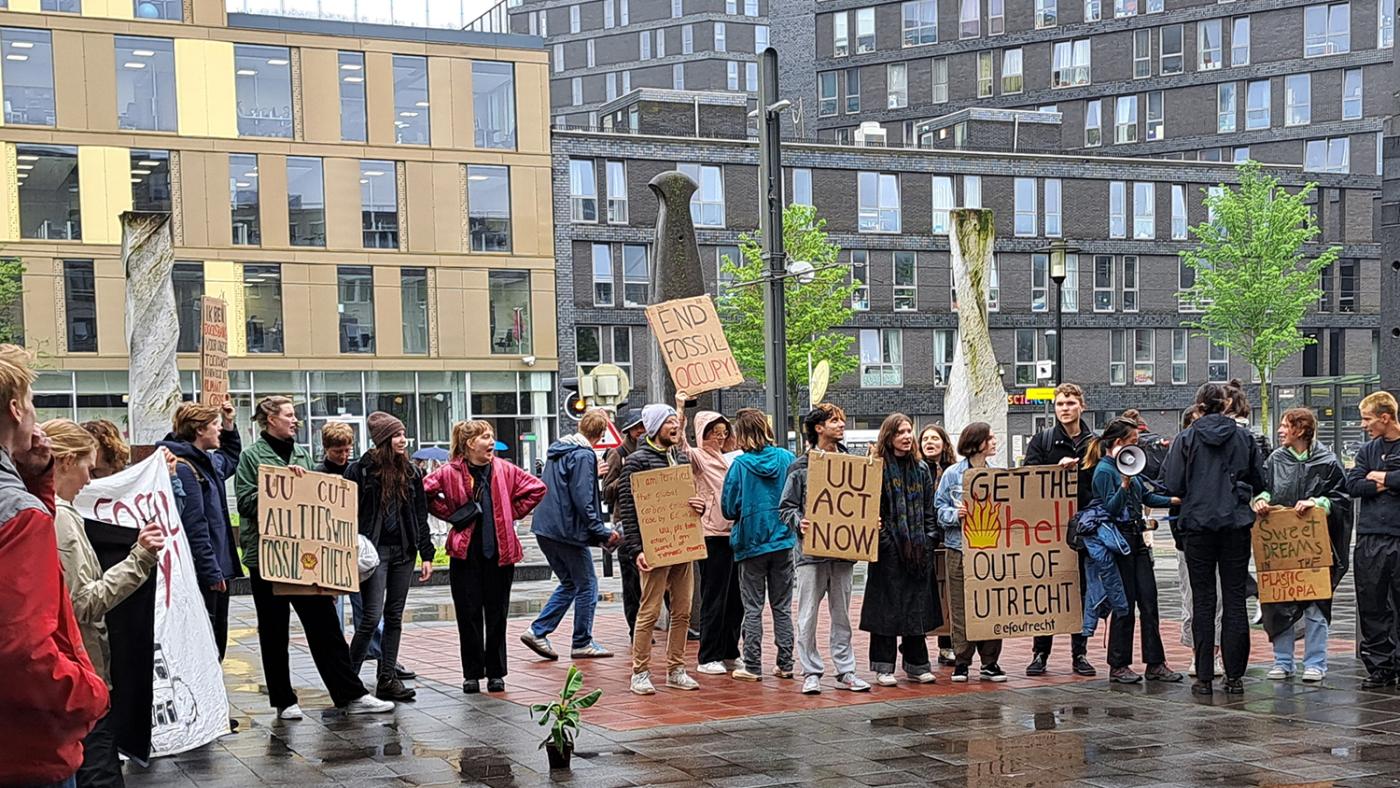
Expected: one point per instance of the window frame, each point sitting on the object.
(874, 215)
(906, 296)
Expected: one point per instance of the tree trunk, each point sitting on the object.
(1264, 423)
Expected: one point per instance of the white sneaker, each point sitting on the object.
(886, 679)
(368, 704)
(812, 685)
(641, 683)
(292, 712)
(712, 669)
(743, 674)
(926, 678)
(1313, 675)
(852, 682)
(679, 679)
(1279, 673)
(782, 674)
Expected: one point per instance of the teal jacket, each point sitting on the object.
(753, 488)
(245, 489)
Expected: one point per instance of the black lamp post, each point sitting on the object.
(1059, 252)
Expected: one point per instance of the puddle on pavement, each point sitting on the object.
(1024, 761)
(430, 613)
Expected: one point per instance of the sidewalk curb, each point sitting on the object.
(524, 573)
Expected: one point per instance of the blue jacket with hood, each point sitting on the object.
(569, 512)
(753, 489)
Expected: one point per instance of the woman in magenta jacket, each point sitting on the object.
(481, 496)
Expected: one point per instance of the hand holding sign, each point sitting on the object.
(693, 344)
(1293, 554)
(667, 517)
(843, 506)
(309, 529)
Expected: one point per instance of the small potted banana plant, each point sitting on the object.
(563, 717)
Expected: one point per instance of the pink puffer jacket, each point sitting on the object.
(514, 494)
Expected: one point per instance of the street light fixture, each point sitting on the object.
(1059, 251)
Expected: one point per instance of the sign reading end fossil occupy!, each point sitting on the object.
(671, 532)
(1293, 554)
(843, 506)
(693, 344)
(309, 531)
(1021, 576)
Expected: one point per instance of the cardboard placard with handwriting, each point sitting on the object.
(940, 574)
(843, 506)
(213, 351)
(308, 530)
(671, 531)
(1293, 555)
(693, 344)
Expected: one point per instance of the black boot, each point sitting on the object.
(394, 690)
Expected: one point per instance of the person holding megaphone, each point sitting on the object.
(1116, 462)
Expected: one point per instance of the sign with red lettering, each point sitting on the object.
(1021, 578)
(1292, 554)
(843, 506)
(693, 344)
(309, 531)
(213, 351)
(671, 532)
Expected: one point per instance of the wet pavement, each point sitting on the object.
(1055, 730)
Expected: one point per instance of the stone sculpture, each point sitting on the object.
(675, 265)
(152, 325)
(975, 391)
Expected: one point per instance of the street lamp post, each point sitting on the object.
(1059, 252)
(770, 176)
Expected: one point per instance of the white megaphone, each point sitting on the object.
(1130, 460)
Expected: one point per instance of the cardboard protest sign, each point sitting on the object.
(843, 506)
(671, 531)
(693, 344)
(309, 530)
(1021, 576)
(940, 574)
(1292, 554)
(213, 352)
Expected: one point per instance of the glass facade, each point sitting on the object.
(306, 201)
(188, 280)
(172, 10)
(355, 292)
(511, 329)
(243, 199)
(146, 83)
(411, 120)
(352, 97)
(26, 78)
(379, 204)
(493, 104)
(263, 90)
(48, 192)
(150, 180)
(80, 305)
(413, 292)
(262, 307)
(488, 208)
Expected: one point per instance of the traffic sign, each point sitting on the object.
(611, 439)
(821, 376)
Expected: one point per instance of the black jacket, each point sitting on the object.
(1380, 511)
(901, 598)
(1050, 446)
(615, 458)
(1216, 468)
(645, 458)
(413, 517)
(204, 510)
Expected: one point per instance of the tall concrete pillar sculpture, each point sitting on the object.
(975, 391)
(152, 326)
(675, 267)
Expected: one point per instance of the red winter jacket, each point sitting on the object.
(51, 696)
(514, 494)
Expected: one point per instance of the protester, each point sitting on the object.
(566, 525)
(1154, 447)
(762, 541)
(632, 431)
(51, 695)
(1063, 444)
(481, 496)
(722, 615)
(901, 592)
(277, 447)
(937, 449)
(976, 443)
(1122, 498)
(825, 428)
(393, 512)
(1303, 475)
(1215, 468)
(206, 446)
(1375, 482)
(658, 449)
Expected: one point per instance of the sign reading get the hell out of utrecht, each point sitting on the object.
(308, 530)
(1021, 578)
(1293, 555)
(843, 506)
(693, 344)
(671, 531)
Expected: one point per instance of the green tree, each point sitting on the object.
(11, 293)
(1254, 282)
(814, 309)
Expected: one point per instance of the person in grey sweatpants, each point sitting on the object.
(824, 428)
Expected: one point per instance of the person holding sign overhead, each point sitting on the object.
(901, 597)
(1305, 475)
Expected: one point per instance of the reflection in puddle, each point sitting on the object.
(1025, 761)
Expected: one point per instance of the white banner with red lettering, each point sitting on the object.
(190, 706)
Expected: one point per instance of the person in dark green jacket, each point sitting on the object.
(277, 447)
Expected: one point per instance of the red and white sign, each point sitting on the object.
(612, 439)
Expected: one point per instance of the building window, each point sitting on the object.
(840, 34)
(970, 19)
(575, 20)
(80, 305)
(878, 200)
(493, 103)
(1218, 363)
(1179, 345)
(942, 203)
(1326, 29)
(865, 30)
(826, 88)
(379, 204)
(707, 204)
(1011, 78)
(1225, 108)
(636, 277)
(170, 10)
(1348, 286)
(583, 191)
(1125, 128)
(512, 332)
(1093, 10)
(1256, 109)
(1122, 8)
(488, 207)
(996, 17)
(588, 347)
(860, 277)
(306, 201)
(1046, 14)
(1130, 283)
(49, 208)
(678, 76)
(617, 192)
(1297, 100)
(1351, 94)
(1026, 347)
(576, 91)
(602, 275)
(355, 288)
(944, 346)
(150, 180)
(1144, 211)
(1117, 209)
(187, 279)
(972, 191)
(352, 96)
(145, 83)
(1104, 287)
(660, 43)
(905, 282)
(411, 119)
(881, 358)
(1329, 155)
(1179, 232)
(413, 289)
(1040, 282)
(1385, 24)
(721, 37)
(609, 14)
(243, 199)
(1093, 123)
(1025, 207)
(262, 307)
(940, 80)
(1209, 45)
(687, 40)
(26, 78)
(1170, 49)
(897, 85)
(1239, 42)
(750, 7)
(1156, 116)
(263, 88)
(985, 78)
(1052, 207)
(760, 38)
(1072, 64)
(1142, 54)
(920, 22)
(1118, 357)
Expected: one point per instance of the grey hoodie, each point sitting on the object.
(793, 507)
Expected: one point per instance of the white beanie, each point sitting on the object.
(653, 416)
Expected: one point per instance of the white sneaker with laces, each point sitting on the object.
(812, 685)
(679, 679)
(852, 682)
(1279, 673)
(926, 678)
(641, 683)
(292, 712)
(886, 679)
(368, 704)
(712, 669)
(743, 674)
(1313, 675)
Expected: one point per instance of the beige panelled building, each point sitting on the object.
(372, 201)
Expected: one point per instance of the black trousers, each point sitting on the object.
(323, 635)
(914, 649)
(1140, 583)
(722, 615)
(101, 767)
(216, 602)
(1078, 644)
(481, 594)
(1377, 566)
(1223, 554)
(383, 595)
(631, 592)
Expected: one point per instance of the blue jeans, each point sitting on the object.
(578, 586)
(357, 608)
(1314, 642)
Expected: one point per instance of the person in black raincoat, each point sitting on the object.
(1301, 475)
(901, 595)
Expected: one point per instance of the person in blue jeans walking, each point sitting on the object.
(567, 524)
(1303, 475)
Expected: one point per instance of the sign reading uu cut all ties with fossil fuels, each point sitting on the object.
(308, 530)
(693, 344)
(1021, 578)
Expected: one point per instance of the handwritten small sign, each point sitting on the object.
(843, 506)
(213, 351)
(693, 344)
(1292, 554)
(671, 531)
(308, 531)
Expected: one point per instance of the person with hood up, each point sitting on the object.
(566, 524)
(722, 614)
(1216, 468)
(762, 542)
(1305, 475)
(206, 445)
(611, 471)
